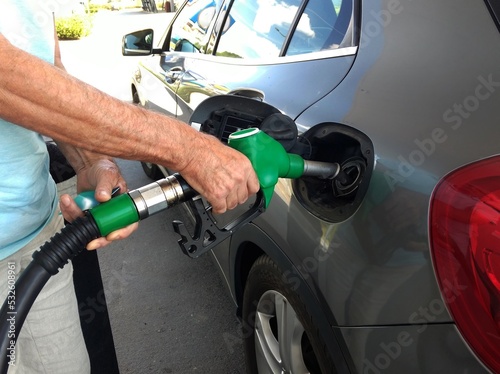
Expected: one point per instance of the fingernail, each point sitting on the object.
(104, 194)
(112, 237)
(65, 200)
(93, 246)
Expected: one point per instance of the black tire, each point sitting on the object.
(135, 97)
(265, 283)
(152, 170)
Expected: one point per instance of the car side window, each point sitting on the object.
(189, 29)
(260, 28)
(322, 26)
(257, 29)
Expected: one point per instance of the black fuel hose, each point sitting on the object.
(47, 261)
(71, 240)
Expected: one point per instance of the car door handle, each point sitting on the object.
(174, 73)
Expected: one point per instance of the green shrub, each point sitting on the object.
(74, 27)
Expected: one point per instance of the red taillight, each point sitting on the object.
(465, 246)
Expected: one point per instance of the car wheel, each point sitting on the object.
(135, 97)
(152, 170)
(280, 336)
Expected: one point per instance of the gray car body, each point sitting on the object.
(423, 85)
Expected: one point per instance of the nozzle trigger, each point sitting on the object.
(206, 233)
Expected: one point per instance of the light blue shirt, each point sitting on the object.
(28, 195)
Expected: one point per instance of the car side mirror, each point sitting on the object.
(138, 43)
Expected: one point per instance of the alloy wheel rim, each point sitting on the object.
(278, 336)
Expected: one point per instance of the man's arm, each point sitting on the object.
(48, 100)
(82, 160)
(94, 172)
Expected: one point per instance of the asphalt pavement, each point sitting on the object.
(169, 313)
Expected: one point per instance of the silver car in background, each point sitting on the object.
(396, 267)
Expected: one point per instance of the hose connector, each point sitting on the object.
(157, 196)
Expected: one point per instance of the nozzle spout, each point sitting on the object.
(322, 170)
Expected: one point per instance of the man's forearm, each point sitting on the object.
(78, 158)
(41, 97)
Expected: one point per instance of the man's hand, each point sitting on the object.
(102, 176)
(224, 176)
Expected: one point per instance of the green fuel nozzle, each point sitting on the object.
(271, 161)
(140, 203)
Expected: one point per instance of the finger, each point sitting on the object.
(253, 184)
(242, 195)
(115, 235)
(219, 208)
(232, 199)
(108, 180)
(122, 233)
(105, 187)
(69, 209)
(97, 243)
(218, 203)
